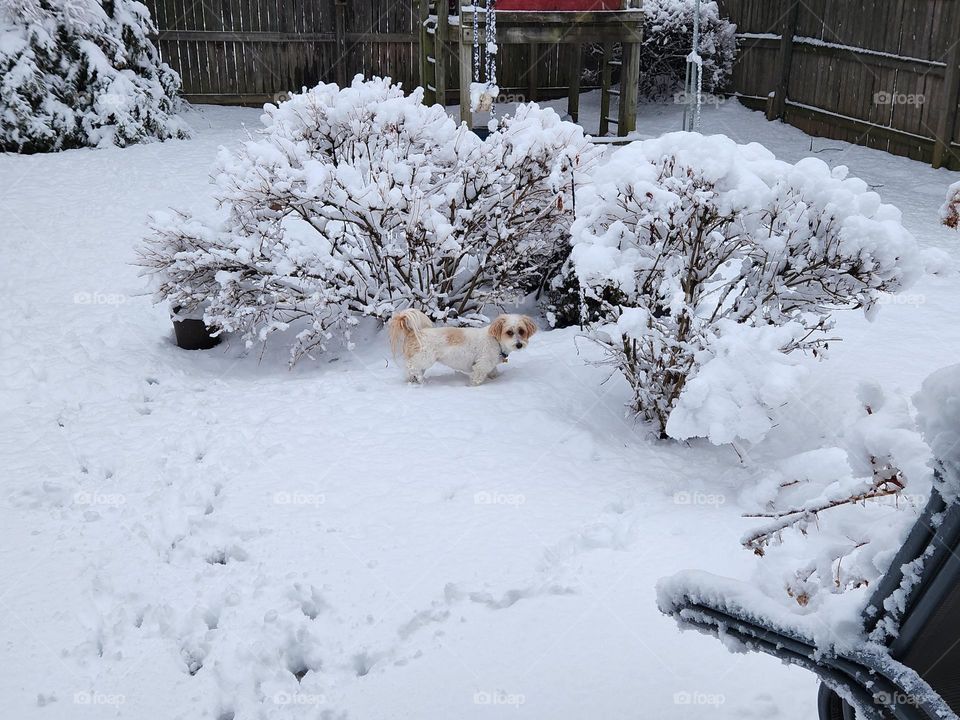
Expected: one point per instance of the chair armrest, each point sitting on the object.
(879, 687)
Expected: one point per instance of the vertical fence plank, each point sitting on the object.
(788, 28)
(951, 96)
(341, 41)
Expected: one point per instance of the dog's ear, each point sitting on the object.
(496, 327)
(528, 325)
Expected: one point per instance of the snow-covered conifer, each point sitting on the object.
(77, 73)
(668, 40)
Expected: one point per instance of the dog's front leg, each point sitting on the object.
(481, 370)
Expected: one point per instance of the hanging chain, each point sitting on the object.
(698, 67)
(696, 114)
(491, 42)
(491, 51)
(476, 45)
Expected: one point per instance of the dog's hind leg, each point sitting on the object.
(417, 366)
(415, 377)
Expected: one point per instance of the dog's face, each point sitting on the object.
(513, 332)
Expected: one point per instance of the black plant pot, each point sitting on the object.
(192, 333)
(481, 132)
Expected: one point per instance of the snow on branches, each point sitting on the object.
(705, 264)
(668, 38)
(667, 41)
(359, 201)
(837, 516)
(834, 516)
(77, 73)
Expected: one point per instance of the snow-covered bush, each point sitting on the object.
(75, 73)
(360, 201)
(707, 263)
(833, 515)
(950, 212)
(668, 40)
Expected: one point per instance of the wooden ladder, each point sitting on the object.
(626, 93)
(434, 28)
(607, 63)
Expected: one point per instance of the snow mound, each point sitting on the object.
(938, 405)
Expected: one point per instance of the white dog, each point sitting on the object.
(474, 351)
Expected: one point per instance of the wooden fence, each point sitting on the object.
(248, 52)
(882, 73)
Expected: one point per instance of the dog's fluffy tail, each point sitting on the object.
(405, 328)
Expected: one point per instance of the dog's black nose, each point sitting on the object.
(519, 346)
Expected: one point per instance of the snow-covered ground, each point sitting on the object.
(184, 535)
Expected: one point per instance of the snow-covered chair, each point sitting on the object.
(901, 657)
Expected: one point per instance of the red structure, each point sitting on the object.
(570, 5)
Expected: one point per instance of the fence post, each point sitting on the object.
(629, 85)
(533, 72)
(606, 79)
(440, 45)
(574, 68)
(951, 96)
(340, 32)
(777, 102)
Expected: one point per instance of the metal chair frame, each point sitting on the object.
(880, 685)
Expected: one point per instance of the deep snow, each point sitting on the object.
(184, 532)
